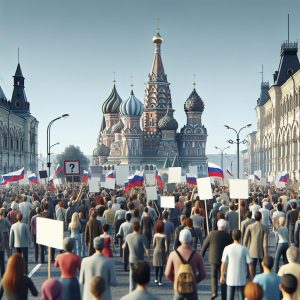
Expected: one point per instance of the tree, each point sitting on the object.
(73, 153)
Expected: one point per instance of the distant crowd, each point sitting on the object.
(252, 245)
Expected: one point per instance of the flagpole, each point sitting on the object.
(206, 214)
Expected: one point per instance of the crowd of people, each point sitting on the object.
(252, 245)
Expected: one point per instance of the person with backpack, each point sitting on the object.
(185, 268)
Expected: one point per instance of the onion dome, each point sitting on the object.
(167, 122)
(157, 39)
(194, 102)
(101, 150)
(132, 106)
(117, 128)
(112, 104)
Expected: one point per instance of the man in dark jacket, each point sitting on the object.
(216, 241)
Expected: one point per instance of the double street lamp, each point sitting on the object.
(238, 142)
(222, 154)
(49, 146)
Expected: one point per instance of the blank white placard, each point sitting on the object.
(204, 188)
(151, 193)
(122, 174)
(110, 183)
(94, 185)
(174, 175)
(238, 188)
(150, 179)
(167, 202)
(50, 232)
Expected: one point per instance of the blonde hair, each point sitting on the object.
(74, 221)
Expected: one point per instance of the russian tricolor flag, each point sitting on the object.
(191, 179)
(58, 170)
(111, 174)
(126, 187)
(33, 179)
(85, 176)
(138, 178)
(159, 179)
(130, 182)
(284, 177)
(228, 172)
(214, 171)
(13, 176)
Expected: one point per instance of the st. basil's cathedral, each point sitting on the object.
(143, 135)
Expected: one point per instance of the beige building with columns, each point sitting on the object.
(274, 147)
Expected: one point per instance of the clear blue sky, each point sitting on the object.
(69, 50)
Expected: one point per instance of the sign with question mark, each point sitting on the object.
(72, 167)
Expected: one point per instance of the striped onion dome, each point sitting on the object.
(132, 106)
(167, 122)
(101, 150)
(112, 104)
(117, 128)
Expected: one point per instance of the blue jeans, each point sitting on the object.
(83, 246)
(280, 251)
(77, 239)
(231, 292)
(132, 283)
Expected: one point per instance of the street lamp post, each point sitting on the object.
(238, 142)
(222, 154)
(48, 142)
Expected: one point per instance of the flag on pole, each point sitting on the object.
(33, 179)
(138, 178)
(229, 172)
(13, 176)
(214, 170)
(159, 179)
(191, 179)
(130, 182)
(284, 177)
(58, 170)
(111, 174)
(85, 176)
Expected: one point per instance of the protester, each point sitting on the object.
(20, 238)
(136, 245)
(75, 229)
(97, 287)
(268, 280)
(108, 242)
(282, 243)
(97, 265)
(185, 254)
(147, 225)
(160, 245)
(253, 291)
(235, 258)
(92, 230)
(141, 275)
(292, 267)
(288, 287)
(15, 283)
(69, 263)
(216, 241)
(256, 236)
(52, 290)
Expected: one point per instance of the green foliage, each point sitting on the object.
(73, 153)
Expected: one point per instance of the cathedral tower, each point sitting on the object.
(157, 99)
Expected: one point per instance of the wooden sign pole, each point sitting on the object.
(49, 262)
(206, 216)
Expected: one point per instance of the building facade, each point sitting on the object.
(145, 133)
(18, 129)
(274, 147)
